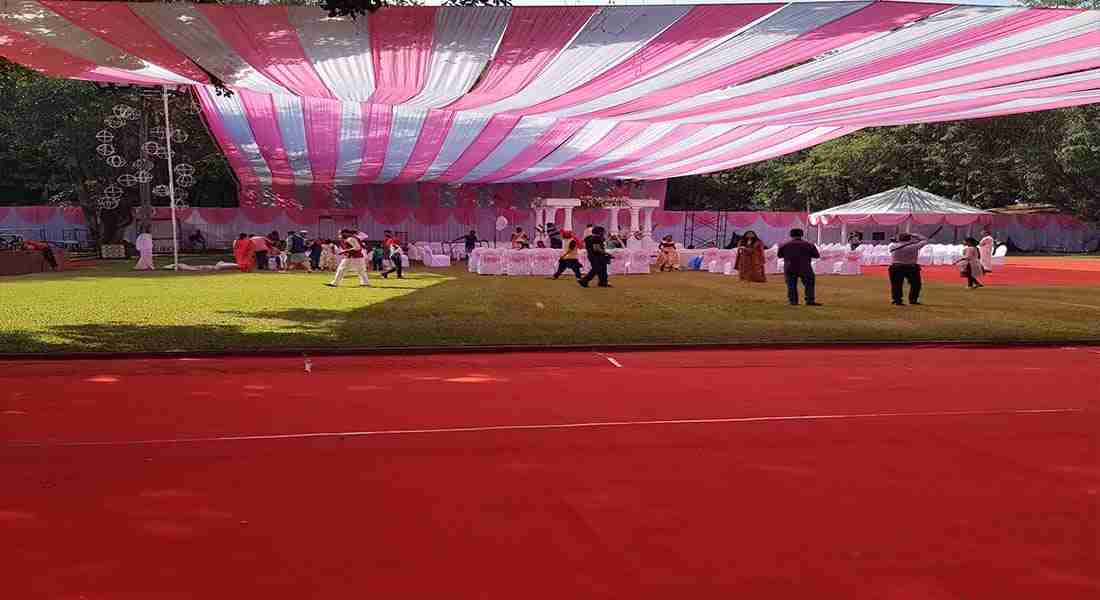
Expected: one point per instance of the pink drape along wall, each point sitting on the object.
(697, 28)
(250, 183)
(117, 24)
(322, 125)
(401, 43)
(264, 37)
(534, 36)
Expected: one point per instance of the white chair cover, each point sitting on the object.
(517, 262)
(475, 258)
(771, 260)
(710, 261)
(618, 262)
(999, 256)
(544, 261)
(491, 262)
(638, 261)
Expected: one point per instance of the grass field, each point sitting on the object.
(108, 308)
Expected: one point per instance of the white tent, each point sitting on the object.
(903, 205)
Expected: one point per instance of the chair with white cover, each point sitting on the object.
(491, 262)
(926, 256)
(517, 262)
(431, 259)
(710, 261)
(999, 255)
(474, 258)
(727, 262)
(638, 261)
(544, 261)
(771, 260)
(618, 262)
(853, 263)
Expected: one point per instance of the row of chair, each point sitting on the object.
(544, 262)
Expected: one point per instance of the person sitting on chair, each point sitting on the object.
(196, 240)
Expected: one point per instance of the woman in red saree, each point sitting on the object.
(243, 252)
(750, 258)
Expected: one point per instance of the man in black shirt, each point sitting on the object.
(597, 257)
(798, 255)
(554, 234)
(471, 242)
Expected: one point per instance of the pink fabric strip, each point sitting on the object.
(376, 136)
(534, 36)
(553, 137)
(765, 150)
(401, 44)
(116, 24)
(872, 20)
(702, 25)
(55, 62)
(1081, 42)
(250, 183)
(490, 137)
(264, 37)
(716, 142)
(969, 38)
(260, 110)
(321, 120)
(743, 150)
(432, 134)
(679, 133)
(619, 135)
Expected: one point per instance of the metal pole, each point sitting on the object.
(171, 183)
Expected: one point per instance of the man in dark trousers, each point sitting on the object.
(798, 255)
(904, 266)
(597, 257)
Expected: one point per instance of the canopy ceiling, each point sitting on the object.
(899, 205)
(549, 93)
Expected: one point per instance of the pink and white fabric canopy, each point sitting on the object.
(480, 95)
(900, 205)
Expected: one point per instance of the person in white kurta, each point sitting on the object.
(144, 245)
(985, 248)
(352, 259)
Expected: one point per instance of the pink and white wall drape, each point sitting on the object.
(490, 95)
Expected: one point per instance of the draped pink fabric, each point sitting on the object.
(466, 205)
(302, 216)
(490, 137)
(736, 152)
(265, 129)
(165, 212)
(696, 29)
(667, 218)
(250, 183)
(217, 216)
(393, 211)
(1033, 222)
(260, 214)
(376, 122)
(401, 38)
(1068, 222)
(321, 119)
(4, 210)
(678, 133)
(35, 214)
(74, 215)
(711, 144)
(782, 219)
(117, 24)
(874, 19)
(741, 219)
(428, 211)
(619, 135)
(555, 136)
(533, 37)
(55, 62)
(264, 37)
(436, 126)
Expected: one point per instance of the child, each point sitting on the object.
(376, 257)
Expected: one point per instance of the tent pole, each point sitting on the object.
(843, 232)
(171, 183)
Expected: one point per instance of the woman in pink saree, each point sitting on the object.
(244, 254)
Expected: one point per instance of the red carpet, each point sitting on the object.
(1020, 271)
(918, 477)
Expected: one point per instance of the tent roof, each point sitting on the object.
(544, 93)
(899, 205)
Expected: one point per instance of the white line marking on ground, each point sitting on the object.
(543, 427)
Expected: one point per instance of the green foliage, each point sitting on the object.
(1047, 157)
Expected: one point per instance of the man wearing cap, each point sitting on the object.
(297, 248)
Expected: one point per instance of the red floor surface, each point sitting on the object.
(1020, 271)
(917, 473)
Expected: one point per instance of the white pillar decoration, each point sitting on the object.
(819, 228)
(569, 218)
(613, 227)
(843, 233)
(647, 231)
(635, 220)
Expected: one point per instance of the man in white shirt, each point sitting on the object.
(144, 245)
(352, 258)
(985, 250)
(904, 266)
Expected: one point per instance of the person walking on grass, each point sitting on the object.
(985, 250)
(392, 247)
(351, 258)
(904, 266)
(261, 246)
(970, 265)
(570, 259)
(598, 257)
(798, 255)
(297, 248)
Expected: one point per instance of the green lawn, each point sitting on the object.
(109, 308)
